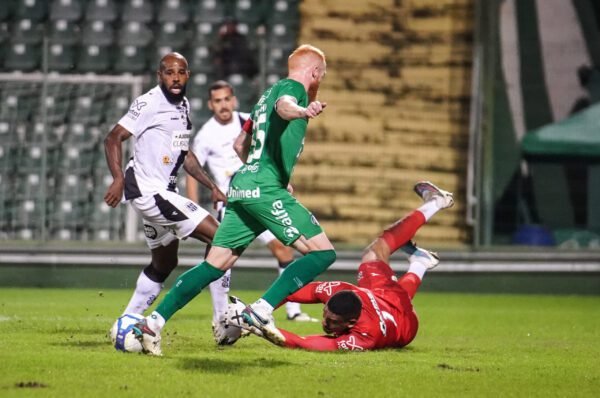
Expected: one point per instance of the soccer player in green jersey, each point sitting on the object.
(260, 198)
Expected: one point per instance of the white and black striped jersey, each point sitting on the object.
(162, 132)
(213, 146)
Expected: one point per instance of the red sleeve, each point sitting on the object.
(350, 342)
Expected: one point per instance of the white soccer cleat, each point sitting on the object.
(262, 319)
(302, 317)
(425, 257)
(233, 317)
(427, 191)
(149, 338)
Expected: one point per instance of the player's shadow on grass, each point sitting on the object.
(80, 344)
(221, 366)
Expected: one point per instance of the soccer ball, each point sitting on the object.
(225, 331)
(122, 335)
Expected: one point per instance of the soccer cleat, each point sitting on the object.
(233, 317)
(425, 257)
(150, 340)
(427, 191)
(302, 317)
(262, 320)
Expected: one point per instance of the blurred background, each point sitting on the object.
(496, 101)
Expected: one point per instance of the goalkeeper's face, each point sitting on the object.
(336, 324)
(173, 76)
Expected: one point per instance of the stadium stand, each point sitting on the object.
(60, 127)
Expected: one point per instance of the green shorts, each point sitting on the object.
(283, 215)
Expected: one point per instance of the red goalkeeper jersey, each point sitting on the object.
(387, 318)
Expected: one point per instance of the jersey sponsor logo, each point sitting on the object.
(290, 232)
(136, 107)
(180, 140)
(382, 325)
(150, 231)
(252, 168)
(327, 287)
(243, 193)
(349, 344)
(166, 160)
(313, 219)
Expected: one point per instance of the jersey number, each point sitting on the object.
(258, 138)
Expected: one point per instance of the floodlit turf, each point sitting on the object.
(53, 343)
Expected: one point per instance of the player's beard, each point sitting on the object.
(173, 98)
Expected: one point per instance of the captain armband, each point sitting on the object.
(247, 127)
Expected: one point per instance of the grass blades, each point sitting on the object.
(53, 343)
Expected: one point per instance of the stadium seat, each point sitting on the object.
(138, 10)
(70, 10)
(205, 34)
(94, 58)
(130, 59)
(88, 110)
(200, 60)
(101, 10)
(27, 31)
(6, 10)
(282, 35)
(98, 33)
(23, 57)
(34, 10)
(251, 12)
(134, 33)
(213, 11)
(176, 11)
(284, 12)
(64, 32)
(172, 35)
(61, 58)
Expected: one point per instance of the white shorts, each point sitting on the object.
(265, 238)
(167, 216)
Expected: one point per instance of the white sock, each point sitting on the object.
(429, 209)
(261, 303)
(417, 268)
(155, 321)
(146, 291)
(219, 291)
(291, 308)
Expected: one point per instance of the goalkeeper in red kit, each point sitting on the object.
(377, 312)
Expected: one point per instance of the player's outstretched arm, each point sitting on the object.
(193, 168)
(348, 342)
(288, 109)
(114, 156)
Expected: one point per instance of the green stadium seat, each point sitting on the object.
(98, 33)
(70, 10)
(6, 10)
(35, 10)
(138, 10)
(64, 32)
(23, 57)
(101, 10)
(213, 11)
(130, 59)
(177, 11)
(94, 59)
(205, 33)
(200, 60)
(284, 12)
(87, 110)
(61, 58)
(27, 31)
(134, 33)
(172, 34)
(251, 12)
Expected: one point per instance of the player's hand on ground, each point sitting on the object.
(218, 196)
(314, 109)
(114, 193)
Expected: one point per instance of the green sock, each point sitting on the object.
(298, 274)
(186, 287)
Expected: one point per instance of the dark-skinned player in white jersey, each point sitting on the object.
(159, 121)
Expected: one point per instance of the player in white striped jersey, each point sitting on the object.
(213, 146)
(160, 124)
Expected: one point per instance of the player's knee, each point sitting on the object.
(158, 274)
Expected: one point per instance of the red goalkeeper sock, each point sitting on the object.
(410, 283)
(403, 230)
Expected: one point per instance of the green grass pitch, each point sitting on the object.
(53, 344)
